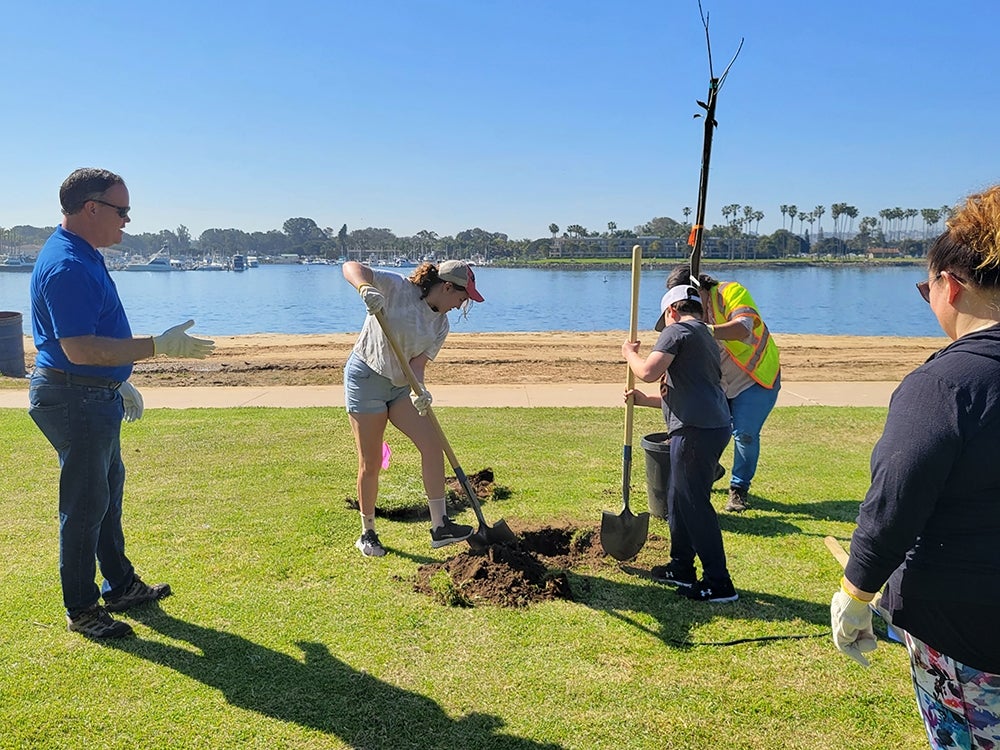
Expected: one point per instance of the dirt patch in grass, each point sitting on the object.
(481, 482)
(531, 570)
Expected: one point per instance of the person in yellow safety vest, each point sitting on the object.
(751, 371)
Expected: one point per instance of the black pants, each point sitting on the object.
(694, 526)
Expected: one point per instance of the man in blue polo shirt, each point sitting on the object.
(80, 393)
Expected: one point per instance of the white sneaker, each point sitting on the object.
(369, 544)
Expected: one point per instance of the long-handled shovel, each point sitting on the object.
(622, 536)
(500, 532)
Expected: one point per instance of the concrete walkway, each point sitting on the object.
(517, 395)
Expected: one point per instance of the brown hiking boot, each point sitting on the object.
(97, 623)
(137, 593)
(737, 500)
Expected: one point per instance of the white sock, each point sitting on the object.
(438, 512)
(367, 523)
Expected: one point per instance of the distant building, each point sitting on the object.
(884, 252)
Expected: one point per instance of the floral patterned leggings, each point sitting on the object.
(960, 705)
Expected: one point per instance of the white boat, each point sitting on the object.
(209, 265)
(252, 261)
(16, 263)
(158, 262)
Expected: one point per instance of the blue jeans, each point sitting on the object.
(83, 424)
(749, 410)
(694, 525)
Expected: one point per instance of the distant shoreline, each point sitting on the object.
(652, 264)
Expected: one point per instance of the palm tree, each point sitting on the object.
(884, 215)
(931, 217)
(818, 213)
(612, 227)
(836, 210)
(757, 217)
(793, 210)
(910, 214)
(687, 213)
(784, 211)
(554, 228)
(852, 214)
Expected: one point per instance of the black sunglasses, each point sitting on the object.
(924, 287)
(122, 210)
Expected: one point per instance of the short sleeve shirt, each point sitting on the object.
(72, 294)
(414, 325)
(692, 395)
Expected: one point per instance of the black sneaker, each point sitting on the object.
(137, 593)
(369, 544)
(703, 591)
(673, 574)
(720, 472)
(449, 533)
(97, 623)
(738, 501)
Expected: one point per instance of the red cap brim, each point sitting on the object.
(471, 290)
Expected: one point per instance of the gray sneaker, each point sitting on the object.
(369, 545)
(449, 533)
(97, 623)
(137, 593)
(737, 500)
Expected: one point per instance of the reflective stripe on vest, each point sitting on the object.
(759, 357)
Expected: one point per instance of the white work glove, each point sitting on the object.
(851, 623)
(175, 343)
(132, 400)
(421, 400)
(373, 298)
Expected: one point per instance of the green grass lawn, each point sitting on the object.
(280, 635)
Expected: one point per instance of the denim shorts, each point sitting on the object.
(367, 392)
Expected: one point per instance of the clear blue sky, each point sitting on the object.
(511, 115)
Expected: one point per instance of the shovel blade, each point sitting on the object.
(498, 533)
(623, 535)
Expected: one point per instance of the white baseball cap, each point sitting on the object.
(674, 295)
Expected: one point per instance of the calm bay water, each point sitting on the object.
(858, 301)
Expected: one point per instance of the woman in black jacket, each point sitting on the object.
(929, 526)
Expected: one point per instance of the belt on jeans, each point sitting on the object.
(70, 378)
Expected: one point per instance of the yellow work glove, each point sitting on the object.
(851, 623)
(173, 342)
(131, 400)
(373, 298)
(421, 400)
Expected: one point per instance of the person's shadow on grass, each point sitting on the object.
(321, 692)
(677, 616)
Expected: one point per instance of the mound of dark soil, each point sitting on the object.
(481, 482)
(531, 570)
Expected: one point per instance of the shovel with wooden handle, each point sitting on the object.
(623, 535)
(499, 533)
